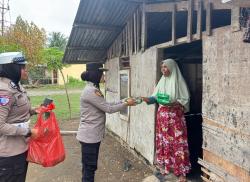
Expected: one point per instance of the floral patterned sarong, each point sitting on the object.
(171, 140)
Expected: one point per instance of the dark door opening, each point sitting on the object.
(189, 58)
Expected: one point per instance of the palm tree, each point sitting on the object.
(57, 39)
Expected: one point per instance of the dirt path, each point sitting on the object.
(110, 166)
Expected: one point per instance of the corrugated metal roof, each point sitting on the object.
(97, 24)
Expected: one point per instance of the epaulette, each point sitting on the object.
(98, 93)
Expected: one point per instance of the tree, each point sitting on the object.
(26, 37)
(57, 39)
(5, 47)
(53, 57)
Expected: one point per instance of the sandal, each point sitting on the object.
(182, 179)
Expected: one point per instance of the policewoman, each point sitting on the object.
(15, 112)
(93, 107)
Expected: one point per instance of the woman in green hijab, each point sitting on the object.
(171, 93)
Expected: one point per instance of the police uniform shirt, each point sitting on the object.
(14, 108)
(93, 108)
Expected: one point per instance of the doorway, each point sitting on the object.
(189, 59)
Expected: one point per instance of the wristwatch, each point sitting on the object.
(29, 133)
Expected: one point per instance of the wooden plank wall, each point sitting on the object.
(134, 36)
(226, 128)
(131, 38)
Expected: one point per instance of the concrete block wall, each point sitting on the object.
(139, 131)
(226, 96)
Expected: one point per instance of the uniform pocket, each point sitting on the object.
(21, 100)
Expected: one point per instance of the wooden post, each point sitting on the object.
(127, 52)
(135, 33)
(131, 36)
(199, 19)
(120, 44)
(235, 23)
(124, 42)
(174, 25)
(144, 28)
(114, 45)
(209, 19)
(138, 29)
(190, 20)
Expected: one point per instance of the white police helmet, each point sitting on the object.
(12, 57)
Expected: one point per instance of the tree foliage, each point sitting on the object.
(26, 37)
(53, 58)
(57, 39)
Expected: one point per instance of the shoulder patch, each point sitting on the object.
(13, 85)
(98, 93)
(4, 100)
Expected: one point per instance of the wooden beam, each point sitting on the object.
(166, 7)
(174, 24)
(235, 22)
(144, 28)
(98, 27)
(239, 3)
(182, 40)
(183, 6)
(135, 32)
(120, 44)
(199, 19)
(218, 171)
(190, 20)
(124, 42)
(131, 36)
(127, 38)
(209, 19)
(230, 168)
(138, 15)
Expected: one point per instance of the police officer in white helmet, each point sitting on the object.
(15, 112)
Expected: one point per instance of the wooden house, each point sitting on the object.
(205, 37)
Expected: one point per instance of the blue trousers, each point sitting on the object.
(90, 152)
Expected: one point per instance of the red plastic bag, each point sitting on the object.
(48, 149)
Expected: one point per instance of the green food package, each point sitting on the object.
(162, 99)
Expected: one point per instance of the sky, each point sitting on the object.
(52, 15)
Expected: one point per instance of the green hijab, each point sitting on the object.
(174, 85)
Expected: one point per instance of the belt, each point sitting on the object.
(22, 125)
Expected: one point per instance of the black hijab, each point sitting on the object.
(92, 76)
(12, 72)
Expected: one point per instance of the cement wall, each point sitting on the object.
(139, 131)
(226, 96)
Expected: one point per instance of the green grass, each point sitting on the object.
(60, 101)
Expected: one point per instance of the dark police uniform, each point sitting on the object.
(92, 126)
(15, 112)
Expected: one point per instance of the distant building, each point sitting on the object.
(73, 71)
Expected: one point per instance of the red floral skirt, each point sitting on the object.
(171, 140)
